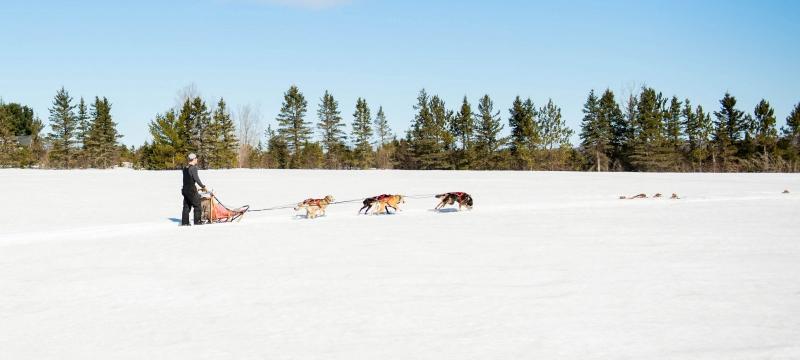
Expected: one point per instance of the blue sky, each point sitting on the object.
(139, 54)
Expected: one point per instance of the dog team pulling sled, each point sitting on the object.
(214, 212)
(209, 210)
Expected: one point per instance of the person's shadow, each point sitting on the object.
(175, 220)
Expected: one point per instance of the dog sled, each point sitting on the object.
(215, 212)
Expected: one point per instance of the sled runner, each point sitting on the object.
(215, 212)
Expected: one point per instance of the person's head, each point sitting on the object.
(192, 159)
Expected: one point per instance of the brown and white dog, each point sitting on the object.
(462, 198)
(314, 207)
(383, 202)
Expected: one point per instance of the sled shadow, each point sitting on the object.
(175, 220)
(445, 211)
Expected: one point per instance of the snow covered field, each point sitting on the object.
(547, 266)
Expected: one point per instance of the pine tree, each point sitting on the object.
(385, 149)
(292, 126)
(524, 133)
(197, 132)
(622, 129)
(792, 132)
(225, 143)
(362, 135)
(331, 126)
(596, 133)
(555, 135)
(648, 137)
(8, 141)
(168, 148)
(487, 136)
(442, 122)
(609, 114)
(382, 129)
(462, 127)
(766, 135)
(672, 133)
(63, 127)
(424, 136)
(82, 131)
(697, 133)
(82, 122)
(312, 156)
(728, 130)
(278, 153)
(101, 140)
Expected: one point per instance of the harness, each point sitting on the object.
(313, 202)
(380, 197)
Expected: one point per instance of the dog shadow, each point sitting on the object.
(303, 217)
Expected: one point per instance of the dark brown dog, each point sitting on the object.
(462, 198)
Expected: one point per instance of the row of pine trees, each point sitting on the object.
(646, 132)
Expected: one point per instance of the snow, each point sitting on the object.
(547, 266)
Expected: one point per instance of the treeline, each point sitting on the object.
(654, 133)
(646, 132)
(81, 135)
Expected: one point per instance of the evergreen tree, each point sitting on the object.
(442, 122)
(462, 127)
(197, 131)
(648, 137)
(728, 129)
(487, 136)
(672, 133)
(101, 141)
(292, 126)
(554, 134)
(8, 141)
(596, 133)
(82, 123)
(331, 126)
(524, 133)
(312, 156)
(424, 136)
(362, 135)
(168, 148)
(698, 129)
(609, 113)
(63, 127)
(766, 134)
(382, 129)
(791, 133)
(385, 149)
(223, 137)
(278, 153)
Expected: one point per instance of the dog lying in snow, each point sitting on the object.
(314, 207)
(383, 202)
(639, 196)
(462, 198)
(644, 196)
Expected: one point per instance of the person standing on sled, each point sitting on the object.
(191, 198)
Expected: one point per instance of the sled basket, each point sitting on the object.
(215, 212)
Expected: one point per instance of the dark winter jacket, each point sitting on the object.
(190, 178)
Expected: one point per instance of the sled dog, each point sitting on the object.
(314, 207)
(462, 198)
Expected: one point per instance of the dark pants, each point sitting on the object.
(191, 199)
